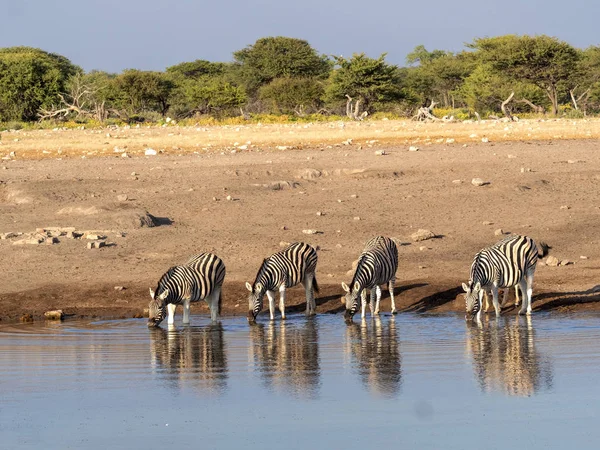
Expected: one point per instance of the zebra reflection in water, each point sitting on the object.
(375, 351)
(505, 358)
(192, 357)
(287, 356)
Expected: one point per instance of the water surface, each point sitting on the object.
(410, 381)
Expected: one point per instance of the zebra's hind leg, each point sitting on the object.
(486, 302)
(310, 295)
(282, 301)
(529, 291)
(391, 289)
(378, 294)
(517, 295)
(215, 304)
(171, 312)
(504, 298)
(271, 297)
(524, 299)
(186, 311)
(363, 302)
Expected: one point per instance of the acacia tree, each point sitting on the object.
(31, 78)
(370, 80)
(542, 60)
(293, 95)
(142, 91)
(278, 57)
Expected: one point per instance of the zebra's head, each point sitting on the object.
(473, 299)
(351, 299)
(255, 300)
(157, 310)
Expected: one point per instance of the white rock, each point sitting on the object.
(422, 235)
(412, 148)
(478, 182)
(150, 152)
(312, 232)
(485, 140)
(380, 153)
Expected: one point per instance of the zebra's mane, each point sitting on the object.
(165, 277)
(260, 270)
(358, 265)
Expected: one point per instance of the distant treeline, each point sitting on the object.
(285, 76)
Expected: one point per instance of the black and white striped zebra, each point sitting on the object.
(508, 263)
(377, 265)
(198, 279)
(285, 269)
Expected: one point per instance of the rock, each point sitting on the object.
(412, 148)
(119, 288)
(50, 240)
(380, 152)
(8, 235)
(356, 218)
(423, 248)
(485, 222)
(422, 235)
(284, 244)
(485, 140)
(512, 156)
(312, 232)
(26, 318)
(28, 241)
(122, 197)
(125, 155)
(565, 262)
(94, 237)
(282, 147)
(583, 257)
(449, 141)
(499, 232)
(354, 196)
(457, 181)
(565, 207)
(229, 198)
(319, 213)
(96, 244)
(552, 261)
(54, 315)
(309, 174)
(338, 245)
(150, 152)
(479, 182)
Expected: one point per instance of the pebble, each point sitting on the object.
(312, 232)
(122, 197)
(119, 288)
(380, 152)
(96, 244)
(54, 315)
(499, 232)
(150, 152)
(319, 213)
(552, 261)
(487, 223)
(583, 257)
(422, 235)
(565, 207)
(457, 181)
(485, 140)
(478, 182)
(356, 218)
(412, 148)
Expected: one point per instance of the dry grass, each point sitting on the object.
(177, 139)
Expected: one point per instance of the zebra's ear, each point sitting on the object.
(259, 287)
(151, 294)
(465, 287)
(248, 286)
(164, 294)
(345, 287)
(477, 286)
(356, 286)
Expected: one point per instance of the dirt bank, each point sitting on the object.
(546, 189)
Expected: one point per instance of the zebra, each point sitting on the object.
(376, 265)
(200, 278)
(285, 269)
(508, 263)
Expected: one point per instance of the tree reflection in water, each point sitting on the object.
(505, 358)
(375, 352)
(287, 356)
(192, 357)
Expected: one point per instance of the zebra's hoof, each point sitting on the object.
(394, 312)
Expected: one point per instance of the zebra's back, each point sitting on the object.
(294, 262)
(506, 262)
(378, 262)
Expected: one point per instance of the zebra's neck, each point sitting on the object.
(362, 275)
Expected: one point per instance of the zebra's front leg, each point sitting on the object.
(373, 294)
(171, 313)
(363, 302)
(486, 302)
(495, 300)
(504, 298)
(378, 299)
(186, 311)
(310, 296)
(391, 289)
(282, 301)
(527, 294)
(517, 295)
(271, 297)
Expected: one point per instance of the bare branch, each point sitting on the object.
(505, 109)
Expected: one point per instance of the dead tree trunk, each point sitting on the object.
(505, 110)
(584, 96)
(354, 113)
(536, 108)
(425, 113)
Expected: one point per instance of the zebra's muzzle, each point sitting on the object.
(251, 317)
(348, 315)
(154, 322)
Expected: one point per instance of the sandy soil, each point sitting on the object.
(547, 189)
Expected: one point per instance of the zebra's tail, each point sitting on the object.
(545, 250)
(315, 284)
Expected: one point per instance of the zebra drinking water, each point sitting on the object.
(285, 269)
(508, 263)
(377, 265)
(200, 278)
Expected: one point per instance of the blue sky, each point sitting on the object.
(153, 34)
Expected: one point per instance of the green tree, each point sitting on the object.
(371, 80)
(542, 60)
(293, 95)
(206, 95)
(197, 69)
(420, 55)
(142, 91)
(30, 79)
(278, 57)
